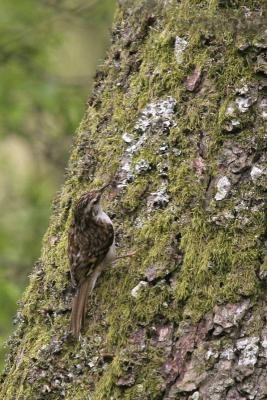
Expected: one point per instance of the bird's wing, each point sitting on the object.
(89, 250)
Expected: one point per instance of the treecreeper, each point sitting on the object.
(91, 248)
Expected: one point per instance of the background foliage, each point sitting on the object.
(49, 51)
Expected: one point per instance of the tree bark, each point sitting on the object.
(178, 116)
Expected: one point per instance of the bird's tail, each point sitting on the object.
(79, 308)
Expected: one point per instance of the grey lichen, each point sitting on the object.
(180, 45)
(263, 108)
(169, 338)
(157, 114)
(249, 349)
(142, 166)
(232, 357)
(243, 103)
(256, 172)
(158, 199)
(156, 117)
(135, 292)
(223, 188)
(127, 138)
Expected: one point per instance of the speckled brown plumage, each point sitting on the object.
(91, 238)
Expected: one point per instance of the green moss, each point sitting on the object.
(220, 261)
(131, 200)
(105, 386)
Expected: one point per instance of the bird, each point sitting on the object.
(91, 247)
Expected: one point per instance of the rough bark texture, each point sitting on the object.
(178, 114)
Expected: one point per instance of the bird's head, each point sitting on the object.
(89, 203)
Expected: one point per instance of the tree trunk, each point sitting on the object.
(178, 115)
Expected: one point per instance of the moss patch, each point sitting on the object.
(204, 255)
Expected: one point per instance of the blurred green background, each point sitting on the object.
(49, 52)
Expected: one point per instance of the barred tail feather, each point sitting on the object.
(79, 308)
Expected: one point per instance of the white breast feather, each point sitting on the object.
(111, 254)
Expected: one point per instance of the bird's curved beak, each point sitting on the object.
(104, 187)
(101, 190)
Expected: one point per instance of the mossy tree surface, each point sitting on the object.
(178, 116)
